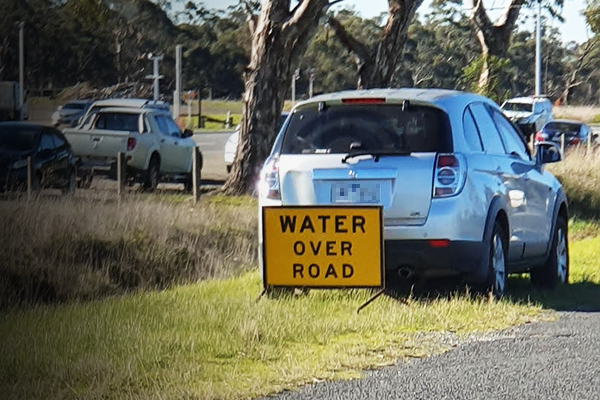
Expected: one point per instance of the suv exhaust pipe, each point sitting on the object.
(405, 273)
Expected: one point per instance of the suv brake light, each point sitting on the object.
(364, 100)
(269, 180)
(450, 175)
(131, 143)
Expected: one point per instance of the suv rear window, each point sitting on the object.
(382, 127)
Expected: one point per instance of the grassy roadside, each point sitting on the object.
(58, 249)
(213, 341)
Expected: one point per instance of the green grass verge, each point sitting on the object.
(212, 340)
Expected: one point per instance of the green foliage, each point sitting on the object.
(592, 15)
(493, 89)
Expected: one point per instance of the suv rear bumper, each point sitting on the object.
(420, 258)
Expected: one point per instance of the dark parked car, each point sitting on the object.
(52, 159)
(575, 132)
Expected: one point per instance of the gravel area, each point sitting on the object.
(550, 360)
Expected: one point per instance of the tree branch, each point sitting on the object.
(349, 42)
(508, 18)
(305, 11)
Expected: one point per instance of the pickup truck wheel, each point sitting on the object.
(555, 270)
(152, 175)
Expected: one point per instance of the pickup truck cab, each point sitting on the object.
(156, 149)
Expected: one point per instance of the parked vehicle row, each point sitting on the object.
(155, 148)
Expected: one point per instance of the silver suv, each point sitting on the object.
(460, 191)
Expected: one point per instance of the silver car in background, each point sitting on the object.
(70, 113)
(233, 140)
(461, 193)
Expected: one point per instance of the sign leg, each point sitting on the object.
(382, 291)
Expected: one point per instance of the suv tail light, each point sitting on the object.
(540, 137)
(269, 180)
(450, 175)
(131, 142)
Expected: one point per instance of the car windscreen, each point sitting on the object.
(562, 127)
(520, 107)
(118, 121)
(18, 138)
(383, 127)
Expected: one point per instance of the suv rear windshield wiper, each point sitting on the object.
(376, 154)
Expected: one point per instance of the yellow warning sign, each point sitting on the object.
(323, 247)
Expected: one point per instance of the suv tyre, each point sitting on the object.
(555, 270)
(495, 263)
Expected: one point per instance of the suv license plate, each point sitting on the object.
(364, 192)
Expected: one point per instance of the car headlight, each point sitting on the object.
(19, 164)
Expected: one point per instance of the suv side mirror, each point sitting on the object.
(547, 153)
(187, 133)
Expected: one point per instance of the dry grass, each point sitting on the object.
(580, 113)
(580, 176)
(56, 249)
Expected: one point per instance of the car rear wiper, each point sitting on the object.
(376, 154)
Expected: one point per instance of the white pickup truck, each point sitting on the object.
(155, 148)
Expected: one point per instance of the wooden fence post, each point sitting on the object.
(589, 144)
(121, 173)
(196, 173)
(562, 145)
(29, 177)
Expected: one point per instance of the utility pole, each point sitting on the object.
(21, 65)
(156, 76)
(295, 77)
(538, 50)
(311, 80)
(177, 94)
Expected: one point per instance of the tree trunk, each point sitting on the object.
(279, 40)
(494, 38)
(376, 67)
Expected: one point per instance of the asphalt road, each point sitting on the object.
(554, 360)
(212, 145)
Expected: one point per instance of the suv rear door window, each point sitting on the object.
(489, 133)
(340, 129)
(471, 132)
(514, 144)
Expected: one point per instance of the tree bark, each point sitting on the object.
(376, 66)
(280, 38)
(494, 38)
